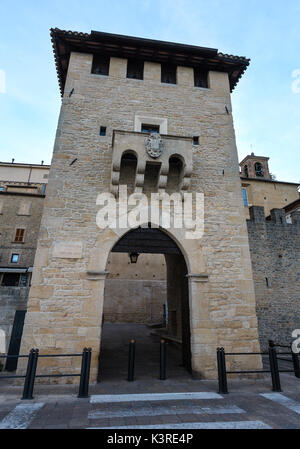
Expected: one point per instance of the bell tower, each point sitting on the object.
(255, 167)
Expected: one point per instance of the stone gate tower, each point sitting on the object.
(117, 93)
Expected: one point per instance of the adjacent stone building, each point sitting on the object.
(275, 256)
(22, 192)
(260, 188)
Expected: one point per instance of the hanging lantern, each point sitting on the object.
(133, 257)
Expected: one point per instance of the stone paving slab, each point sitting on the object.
(248, 403)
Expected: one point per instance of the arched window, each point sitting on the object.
(175, 174)
(246, 173)
(128, 170)
(259, 170)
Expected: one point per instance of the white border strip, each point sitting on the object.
(163, 411)
(21, 416)
(283, 400)
(102, 398)
(199, 425)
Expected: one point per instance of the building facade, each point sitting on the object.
(114, 88)
(156, 117)
(22, 192)
(260, 188)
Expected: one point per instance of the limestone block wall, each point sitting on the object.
(66, 297)
(135, 293)
(275, 256)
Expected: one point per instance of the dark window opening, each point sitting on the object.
(102, 130)
(135, 69)
(10, 280)
(23, 280)
(200, 78)
(175, 175)
(128, 171)
(267, 282)
(168, 73)
(259, 170)
(150, 128)
(14, 258)
(151, 179)
(100, 65)
(19, 237)
(196, 140)
(129, 157)
(246, 171)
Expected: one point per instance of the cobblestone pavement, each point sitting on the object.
(170, 404)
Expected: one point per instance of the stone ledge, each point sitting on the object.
(94, 275)
(201, 277)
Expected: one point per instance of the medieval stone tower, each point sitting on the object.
(118, 93)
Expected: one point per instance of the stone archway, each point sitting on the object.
(152, 242)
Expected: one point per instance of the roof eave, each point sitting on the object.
(183, 54)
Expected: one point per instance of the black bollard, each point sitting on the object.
(222, 374)
(276, 386)
(28, 375)
(131, 358)
(85, 373)
(162, 360)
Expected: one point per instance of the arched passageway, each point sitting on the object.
(145, 309)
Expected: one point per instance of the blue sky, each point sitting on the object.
(266, 110)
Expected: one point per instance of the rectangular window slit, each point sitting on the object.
(102, 130)
(150, 128)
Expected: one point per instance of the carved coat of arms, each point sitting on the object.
(154, 145)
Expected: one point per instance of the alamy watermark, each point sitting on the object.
(296, 343)
(178, 211)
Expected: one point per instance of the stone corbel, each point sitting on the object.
(199, 277)
(95, 275)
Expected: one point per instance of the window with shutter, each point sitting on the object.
(19, 237)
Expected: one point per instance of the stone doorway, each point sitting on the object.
(145, 309)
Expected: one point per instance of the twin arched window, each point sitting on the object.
(259, 171)
(128, 171)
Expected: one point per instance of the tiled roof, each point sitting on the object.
(151, 50)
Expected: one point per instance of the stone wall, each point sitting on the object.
(67, 293)
(135, 293)
(275, 256)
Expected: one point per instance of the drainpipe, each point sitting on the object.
(28, 182)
